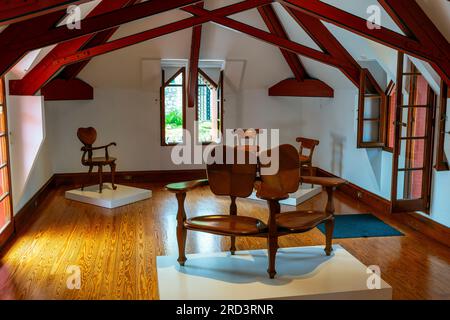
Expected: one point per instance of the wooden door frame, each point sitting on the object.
(423, 203)
(7, 233)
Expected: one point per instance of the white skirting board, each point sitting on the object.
(302, 273)
(305, 192)
(109, 198)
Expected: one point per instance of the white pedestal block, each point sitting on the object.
(109, 198)
(302, 273)
(305, 192)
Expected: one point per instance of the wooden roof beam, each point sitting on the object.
(275, 26)
(45, 70)
(159, 31)
(438, 54)
(30, 40)
(268, 37)
(327, 42)
(193, 63)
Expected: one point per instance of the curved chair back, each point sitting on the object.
(87, 136)
(309, 144)
(231, 178)
(247, 139)
(287, 179)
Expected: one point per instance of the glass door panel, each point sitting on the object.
(413, 141)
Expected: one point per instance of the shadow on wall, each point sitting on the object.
(233, 81)
(337, 154)
(375, 157)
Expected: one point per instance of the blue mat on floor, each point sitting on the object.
(360, 226)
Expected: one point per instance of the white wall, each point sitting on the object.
(29, 150)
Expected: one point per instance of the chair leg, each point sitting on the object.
(233, 245)
(113, 174)
(90, 170)
(233, 212)
(272, 252)
(181, 230)
(311, 172)
(329, 227)
(181, 239)
(100, 178)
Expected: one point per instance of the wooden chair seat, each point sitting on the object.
(300, 221)
(102, 160)
(226, 224)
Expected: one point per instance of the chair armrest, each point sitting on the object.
(266, 193)
(98, 148)
(323, 181)
(186, 185)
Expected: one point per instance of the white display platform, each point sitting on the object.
(109, 198)
(305, 192)
(302, 273)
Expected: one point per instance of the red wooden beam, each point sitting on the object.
(440, 58)
(74, 89)
(269, 38)
(274, 25)
(305, 88)
(159, 31)
(327, 42)
(18, 31)
(73, 70)
(29, 39)
(15, 11)
(193, 63)
(410, 14)
(46, 69)
(102, 22)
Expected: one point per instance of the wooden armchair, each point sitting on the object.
(306, 159)
(274, 188)
(233, 180)
(238, 180)
(88, 136)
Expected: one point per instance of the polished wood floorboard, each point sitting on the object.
(116, 250)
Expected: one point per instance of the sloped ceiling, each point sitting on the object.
(264, 64)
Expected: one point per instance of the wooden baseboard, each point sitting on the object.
(74, 179)
(420, 223)
(360, 194)
(425, 225)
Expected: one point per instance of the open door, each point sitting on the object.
(6, 214)
(413, 145)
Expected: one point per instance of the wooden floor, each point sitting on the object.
(116, 249)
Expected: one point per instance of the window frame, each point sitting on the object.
(381, 143)
(165, 84)
(390, 88)
(9, 229)
(441, 158)
(219, 88)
